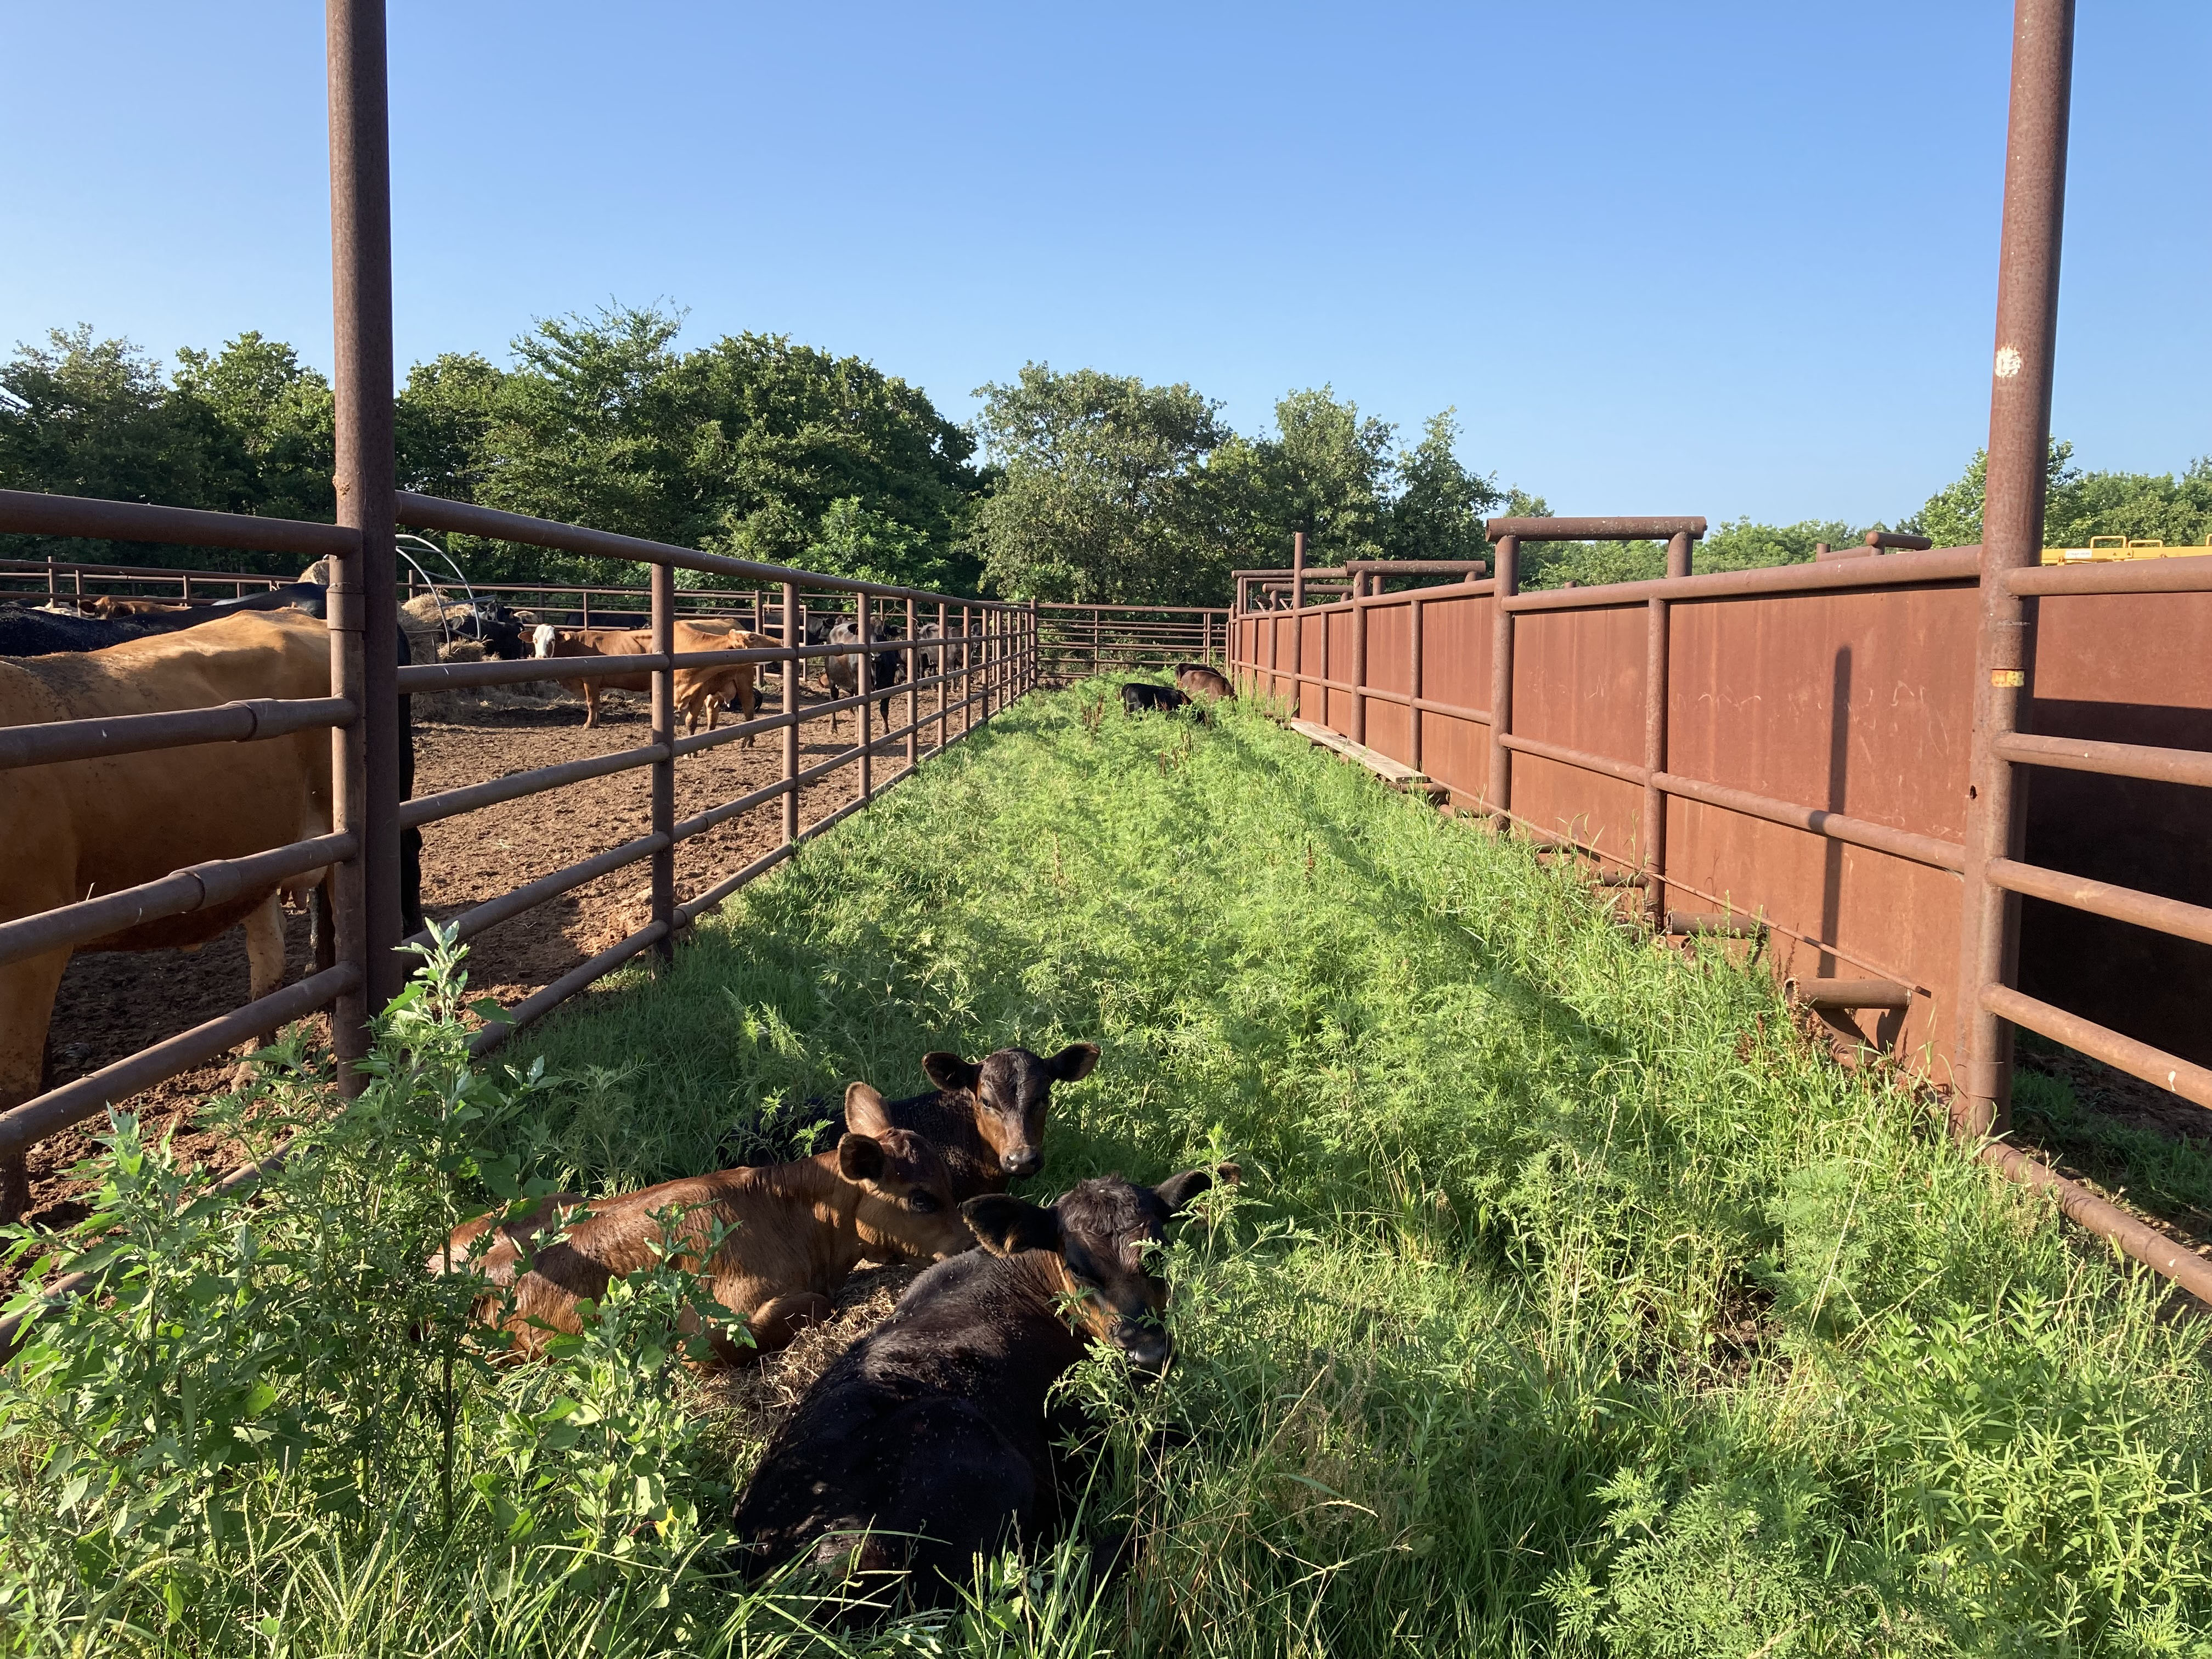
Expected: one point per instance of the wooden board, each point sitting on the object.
(1396, 774)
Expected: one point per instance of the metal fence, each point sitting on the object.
(1789, 753)
(988, 658)
(1074, 641)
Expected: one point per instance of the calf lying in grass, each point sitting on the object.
(926, 1443)
(986, 1116)
(791, 1235)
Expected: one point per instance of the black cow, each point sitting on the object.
(986, 1117)
(842, 670)
(928, 1443)
(1136, 697)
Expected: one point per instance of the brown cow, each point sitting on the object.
(798, 1232)
(1203, 685)
(80, 829)
(111, 606)
(696, 689)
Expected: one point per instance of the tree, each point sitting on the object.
(746, 446)
(1440, 506)
(269, 429)
(1103, 497)
(441, 421)
(1744, 545)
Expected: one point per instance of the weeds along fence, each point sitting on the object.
(986, 655)
(1074, 641)
(1788, 755)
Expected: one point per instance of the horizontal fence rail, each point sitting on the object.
(976, 657)
(1075, 641)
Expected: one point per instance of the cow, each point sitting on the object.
(986, 1116)
(698, 689)
(76, 829)
(790, 1235)
(928, 1442)
(1203, 684)
(1136, 697)
(434, 620)
(841, 673)
(115, 605)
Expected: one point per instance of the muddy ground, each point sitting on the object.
(113, 1002)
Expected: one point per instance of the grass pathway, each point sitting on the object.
(1572, 1302)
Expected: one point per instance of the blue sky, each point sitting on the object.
(1733, 258)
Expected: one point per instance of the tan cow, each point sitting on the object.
(696, 689)
(110, 606)
(793, 1232)
(79, 828)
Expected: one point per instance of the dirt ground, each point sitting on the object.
(113, 1003)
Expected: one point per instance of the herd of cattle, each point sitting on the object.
(932, 1438)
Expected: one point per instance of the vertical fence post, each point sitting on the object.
(663, 623)
(1656, 659)
(944, 668)
(1413, 681)
(365, 757)
(2012, 539)
(864, 682)
(794, 636)
(913, 690)
(1297, 622)
(1501, 680)
(1361, 613)
(1096, 659)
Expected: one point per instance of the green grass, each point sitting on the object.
(1571, 1302)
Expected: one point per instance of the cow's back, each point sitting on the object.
(88, 827)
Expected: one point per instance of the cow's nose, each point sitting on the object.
(1147, 1348)
(1026, 1162)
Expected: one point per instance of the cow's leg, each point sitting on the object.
(776, 1323)
(26, 1008)
(591, 704)
(265, 957)
(322, 924)
(748, 701)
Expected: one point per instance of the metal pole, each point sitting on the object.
(863, 680)
(1500, 800)
(664, 769)
(366, 901)
(944, 668)
(794, 636)
(1297, 622)
(1359, 616)
(913, 695)
(2012, 538)
(1655, 663)
(1414, 683)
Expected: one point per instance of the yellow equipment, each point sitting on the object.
(2102, 548)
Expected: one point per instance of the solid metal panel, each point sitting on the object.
(1578, 684)
(1389, 668)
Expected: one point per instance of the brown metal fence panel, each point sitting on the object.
(1815, 740)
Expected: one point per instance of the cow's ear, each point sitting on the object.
(861, 1159)
(951, 1071)
(1005, 1226)
(864, 1109)
(1177, 1190)
(1075, 1062)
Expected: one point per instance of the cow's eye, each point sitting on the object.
(921, 1203)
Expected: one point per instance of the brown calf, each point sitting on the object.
(696, 689)
(1202, 683)
(797, 1230)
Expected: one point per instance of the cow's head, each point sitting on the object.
(906, 1204)
(543, 640)
(1012, 1089)
(1104, 1238)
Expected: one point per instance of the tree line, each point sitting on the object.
(1069, 485)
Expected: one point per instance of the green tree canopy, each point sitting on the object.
(1104, 496)
(2078, 505)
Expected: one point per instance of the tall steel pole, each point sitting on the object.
(2012, 538)
(364, 614)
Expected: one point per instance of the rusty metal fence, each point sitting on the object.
(1076, 641)
(1787, 753)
